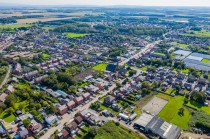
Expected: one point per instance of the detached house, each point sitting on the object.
(62, 109)
(109, 100)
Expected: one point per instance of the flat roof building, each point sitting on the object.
(158, 126)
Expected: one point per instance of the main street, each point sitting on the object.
(145, 49)
(86, 106)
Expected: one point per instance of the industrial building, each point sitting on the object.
(157, 126)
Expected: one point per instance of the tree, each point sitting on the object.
(21, 106)
(26, 123)
(132, 72)
(181, 111)
(10, 110)
(200, 97)
(93, 131)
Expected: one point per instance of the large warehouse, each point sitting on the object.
(158, 126)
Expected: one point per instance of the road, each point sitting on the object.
(86, 106)
(6, 77)
(146, 48)
(71, 116)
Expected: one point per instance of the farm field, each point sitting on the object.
(100, 67)
(13, 26)
(202, 33)
(170, 112)
(75, 35)
(34, 20)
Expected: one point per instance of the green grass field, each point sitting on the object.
(202, 33)
(111, 131)
(198, 106)
(159, 54)
(170, 112)
(6, 117)
(13, 26)
(46, 56)
(100, 67)
(206, 60)
(182, 45)
(75, 35)
(143, 68)
(3, 70)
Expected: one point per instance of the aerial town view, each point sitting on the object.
(104, 72)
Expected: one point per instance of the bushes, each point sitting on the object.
(200, 120)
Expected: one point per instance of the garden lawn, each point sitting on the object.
(198, 106)
(103, 107)
(75, 35)
(170, 112)
(206, 60)
(6, 117)
(182, 45)
(100, 67)
(159, 54)
(143, 68)
(45, 56)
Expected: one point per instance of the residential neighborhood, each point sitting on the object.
(78, 73)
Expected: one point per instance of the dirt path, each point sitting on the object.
(194, 136)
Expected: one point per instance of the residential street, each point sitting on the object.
(70, 116)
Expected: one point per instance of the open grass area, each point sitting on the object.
(100, 67)
(6, 117)
(45, 56)
(168, 91)
(182, 45)
(75, 35)
(13, 26)
(198, 106)
(103, 107)
(170, 111)
(111, 131)
(202, 34)
(159, 54)
(3, 74)
(206, 60)
(143, 68)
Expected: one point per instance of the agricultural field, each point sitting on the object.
(100, 67)
(75, 35)
(112, 131)
(170, 111)
(202, 34)
(13, 26)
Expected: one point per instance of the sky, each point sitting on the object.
(112, 2)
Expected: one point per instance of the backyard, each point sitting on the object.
(100, 67)
(205, 60)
